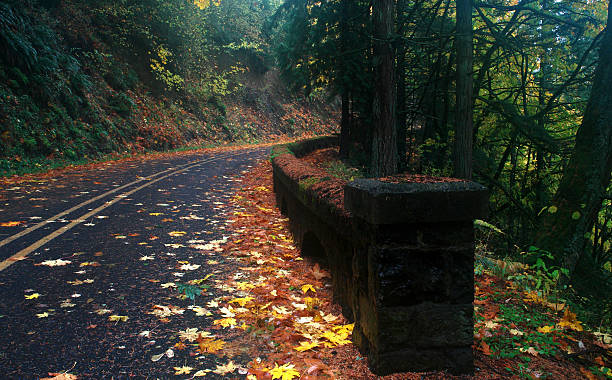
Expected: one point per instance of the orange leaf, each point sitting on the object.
(10, 224)
(485, 348)
(588, 374)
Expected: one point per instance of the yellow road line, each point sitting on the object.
(26, 251)
(85, 203)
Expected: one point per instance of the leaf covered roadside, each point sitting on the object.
(517, 334)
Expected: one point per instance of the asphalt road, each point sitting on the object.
(121, 231)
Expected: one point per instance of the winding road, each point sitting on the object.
(98, 242)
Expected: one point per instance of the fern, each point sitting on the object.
(15, 48)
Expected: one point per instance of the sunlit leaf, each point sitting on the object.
(55, 263)
(118, 318)
(225, 368)
(285, 372)
(184, 370)
(225, 322)
(305, 346)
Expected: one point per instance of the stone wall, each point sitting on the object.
(401, 257)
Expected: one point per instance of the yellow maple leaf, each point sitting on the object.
(244, 286)
(569, 320)
(43, 315)
(305, 346)
(285, 372)
(156, 213)
(210, 345)
(311, 302)
(546, 329)
(339, 339)
(308, 287)
(533, 297)
(225, 322)
(90, 264)
(32, 296)
(177, 233)
(242, 301)
(184, 370)
(118, 318)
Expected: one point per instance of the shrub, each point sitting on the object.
(122, 104)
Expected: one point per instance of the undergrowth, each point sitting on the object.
(532, 271)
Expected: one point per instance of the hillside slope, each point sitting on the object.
(78, 81)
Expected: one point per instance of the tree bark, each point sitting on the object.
(401, 85)
(384, 140)
(464, 117)
(581, 191)
(345, 142)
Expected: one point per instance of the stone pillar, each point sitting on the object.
(413, 277)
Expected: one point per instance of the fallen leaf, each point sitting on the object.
(190, 334)
(55, 263)
(189, 267)
(184, 370)
(210, 345)
(242, 301)
(305, 346)
(118, 318)
(546, 329)
(285, 372)
(10, 224)
(225, 322)
(60, 376)
(225, 368)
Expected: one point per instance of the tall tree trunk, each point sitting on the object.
(580, 194)
(384, 138)
(345, 139)
(401, 85)
(464, 122)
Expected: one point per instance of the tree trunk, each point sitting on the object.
(463, 122)
(345, 141)
(384, 140)
(579, 197)
(401, 85)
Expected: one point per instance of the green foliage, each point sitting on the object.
(122, 104)
(309, 182)
(343, 171)
(189, 291)
(543, 276)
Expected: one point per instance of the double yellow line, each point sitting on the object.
(149, 180)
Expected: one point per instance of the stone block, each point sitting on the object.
(390, 203)
(456, 360)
